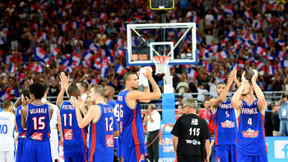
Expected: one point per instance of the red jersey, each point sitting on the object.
(207, 115)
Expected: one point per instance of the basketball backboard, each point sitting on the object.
(144, 41)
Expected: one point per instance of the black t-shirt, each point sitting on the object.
(53, 91)
(192, 132)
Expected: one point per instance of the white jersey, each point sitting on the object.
(7, 126)
(54, 133)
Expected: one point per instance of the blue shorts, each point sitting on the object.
(135, 153)
(119, 147)
(246, 158)
(226, 153)
(77, 157)
(37, 151)
(19, 151)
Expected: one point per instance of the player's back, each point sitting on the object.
(38, 121)
(101, 136)
(74, 137)
(6, 131)
(131, 122)
(251, 137)
(37, 144)
(225, 124)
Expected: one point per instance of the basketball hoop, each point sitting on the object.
(161, 63)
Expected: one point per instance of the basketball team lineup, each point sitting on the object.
(94, 127)
(127, 81)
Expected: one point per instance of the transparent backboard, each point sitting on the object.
(177, 40)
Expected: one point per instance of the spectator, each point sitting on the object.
(268, 121)
(186, 94)
(180, 100)
(182, 84)
(153, 119)
(201, 93)
(275, 121)
(283, 114)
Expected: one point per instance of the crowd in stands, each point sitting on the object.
(87, 39)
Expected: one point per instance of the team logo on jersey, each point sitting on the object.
(68, 134)
(142, 158)
(109, 140)
(250, 133)
(228, 124)
(218, 159)
(37, 136)
(194, 122)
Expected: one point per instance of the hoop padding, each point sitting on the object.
(161, 63)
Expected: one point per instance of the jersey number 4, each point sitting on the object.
(250, 121)
(38, 123)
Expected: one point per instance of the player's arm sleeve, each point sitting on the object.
(176, 131)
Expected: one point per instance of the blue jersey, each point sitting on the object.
(112, 103)
(74, 138)
(38, 122)
(225, 124)
(131, 126)
(251, 138)
(18, 123)
(101, 144)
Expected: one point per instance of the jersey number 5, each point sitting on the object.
(39, 124)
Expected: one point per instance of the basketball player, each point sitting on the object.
(21, 131)
(224, 117)
(7, 126)
(132, 135)
(250, 144)
(55, 125)
(101, 118)
(74, 141)
(109, 93)
(36, 119)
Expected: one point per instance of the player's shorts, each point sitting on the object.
(106, 155)
(245, 158)
(37, 150)
(119, 147)
(19, 151)
(135, 153)
(7, 155)
(77, 157)
(226, 153)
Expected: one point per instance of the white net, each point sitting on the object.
(161, 63)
